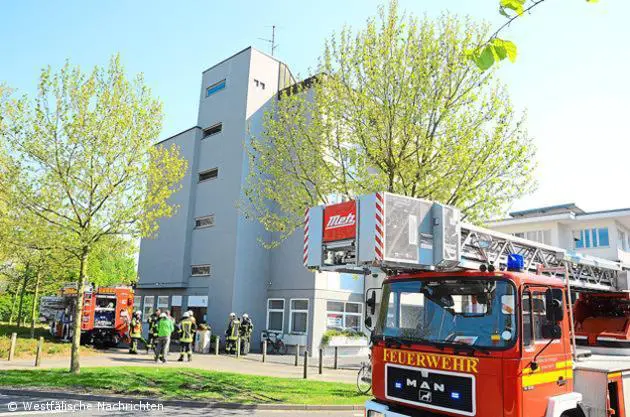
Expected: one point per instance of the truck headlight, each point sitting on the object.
(372, 413)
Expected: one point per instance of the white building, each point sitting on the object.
(604, 234)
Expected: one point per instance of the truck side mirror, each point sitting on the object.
(368, 322)
(554, 304)
(371, 301)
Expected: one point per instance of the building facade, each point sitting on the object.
(605, 234)
(207, 257)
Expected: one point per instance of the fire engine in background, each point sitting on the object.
(106, 314)
(472, 322)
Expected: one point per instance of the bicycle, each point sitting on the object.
(275, 345)
(364, 377)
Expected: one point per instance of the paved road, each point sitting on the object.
(19, 405)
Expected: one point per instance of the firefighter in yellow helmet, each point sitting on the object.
(187, 328)
(135, 333)
(232, 333)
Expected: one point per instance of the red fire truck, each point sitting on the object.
(472, 322)
(106, 314)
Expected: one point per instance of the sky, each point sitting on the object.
(570, 75)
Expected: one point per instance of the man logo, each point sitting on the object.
(426, 396)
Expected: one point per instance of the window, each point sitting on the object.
(621, 240)
(147, 308)
(137, 302)
(534, 317)
(527, 319)
(275, 314)
(204, 221)
(215, 88)
(540, 236)
(343, 316)
(200, 270)
(212, 130)
(162, 302)
(592, 238)
(209, 174)
(298, 320)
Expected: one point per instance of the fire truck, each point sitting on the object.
(105, 319)
(473, 322)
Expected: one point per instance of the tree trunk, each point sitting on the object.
(75, 366)
(22, 293)
(34, 308)
(14, 303)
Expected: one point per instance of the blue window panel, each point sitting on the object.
(603, 236)
(594, 236)
(215, 88)
(580, 243)
(587, 238)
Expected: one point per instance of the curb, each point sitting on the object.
(179, 403)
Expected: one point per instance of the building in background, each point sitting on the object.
(604, 234)
(207, 257)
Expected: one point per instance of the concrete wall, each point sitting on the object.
(161, 263)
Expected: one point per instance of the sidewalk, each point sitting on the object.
(276, 366)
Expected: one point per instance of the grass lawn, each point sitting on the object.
(26, 347)
(195, 384)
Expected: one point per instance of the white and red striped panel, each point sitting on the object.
(378, 236)
(306, 222)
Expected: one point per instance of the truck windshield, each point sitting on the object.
(476, 312)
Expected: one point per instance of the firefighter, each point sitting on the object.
(135, 333)
(231, 334)
(191, 314)
(153, 322)
(246, 330)
(164, 330)
(187, 328)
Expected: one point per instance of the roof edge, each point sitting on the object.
(177, 134)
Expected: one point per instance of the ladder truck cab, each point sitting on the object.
(472, 322)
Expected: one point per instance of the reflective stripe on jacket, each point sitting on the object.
(136, 328)
(187, 329)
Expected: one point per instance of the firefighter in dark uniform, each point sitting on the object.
(153, 329)
(232, 333)
(187, 328)
(135, 333)
(246, 330)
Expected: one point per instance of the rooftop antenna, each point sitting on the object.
(271, 41)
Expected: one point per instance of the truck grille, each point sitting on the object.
(430, 388)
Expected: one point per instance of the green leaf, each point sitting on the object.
(516, 5)
(504, 49)
(503, 12)
(510, 48)
(485, 59)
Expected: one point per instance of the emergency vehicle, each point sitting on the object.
(473, 322)
(106, 314)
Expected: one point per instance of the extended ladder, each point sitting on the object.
(398, 233)
(483, 246)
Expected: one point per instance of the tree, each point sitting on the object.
(496, 49)
(112, 262)
(81, 158)
(398, 107)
